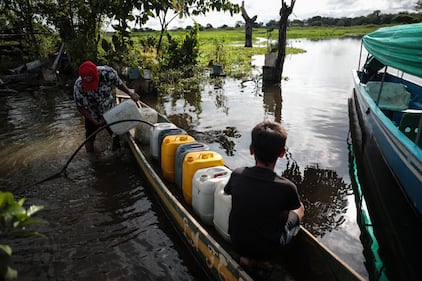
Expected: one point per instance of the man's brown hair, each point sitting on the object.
(268, 141)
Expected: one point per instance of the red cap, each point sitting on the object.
(89, 74)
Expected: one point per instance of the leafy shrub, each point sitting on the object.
(182, 52)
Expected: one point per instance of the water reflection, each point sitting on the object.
(374, 262)
(390, 228)
(220, 100)
(186, 111)
(273, 101)
(225, 138)
(324, 194)
(189, 103)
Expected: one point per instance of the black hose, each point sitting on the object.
(63, 170)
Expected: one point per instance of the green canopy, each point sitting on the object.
(398, 46)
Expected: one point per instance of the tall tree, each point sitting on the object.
(80, 22)
(249, 22)
(285, 12)
(23, 16)
(168, 10)
(418, 6)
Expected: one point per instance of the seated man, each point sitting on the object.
(266, 209)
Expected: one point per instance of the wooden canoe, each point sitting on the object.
(304, 259)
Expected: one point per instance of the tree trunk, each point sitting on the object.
(248, 26)
(285, 12)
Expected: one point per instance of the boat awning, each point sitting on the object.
(398, 46)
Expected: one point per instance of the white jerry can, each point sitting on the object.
(222, 209)
(127, 110)
(204, 183)
(143, 131)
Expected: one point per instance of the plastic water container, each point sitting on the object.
(194, 161)
(181, 152)
(143, 131)
(204, 183)
(222, 209)
(217, 69)
(153, 144)
(123, 111)
(168, 154)
(133, 73)
(147, 74)
(167, 132)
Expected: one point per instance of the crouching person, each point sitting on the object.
(266, 209)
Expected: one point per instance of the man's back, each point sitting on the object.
(259, 198)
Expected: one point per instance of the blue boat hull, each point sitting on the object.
(390, 178)
(402, 157)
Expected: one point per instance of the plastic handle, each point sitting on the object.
(197, 146)
(217, 175)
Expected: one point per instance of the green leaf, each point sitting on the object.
(34, 209)
(11, 273)
(14, 210)
(5, 198)
(6, 272)
(25, 233)
(6, 249)
(31, 221)
(21, 201)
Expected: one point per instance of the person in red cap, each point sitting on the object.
(93, 95)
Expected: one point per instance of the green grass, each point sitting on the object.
(216, 44)
(238, 34)
(232, 40)
(226, 46)
(329, 32)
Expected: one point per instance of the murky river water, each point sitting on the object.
(103, 223)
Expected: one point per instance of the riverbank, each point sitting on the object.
(225, 46)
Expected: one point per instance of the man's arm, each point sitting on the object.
(126, 90)
(300, 211)
(85, 113)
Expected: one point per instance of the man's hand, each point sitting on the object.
(134, 96)
(101, 122)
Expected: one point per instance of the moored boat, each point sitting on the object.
(389, 107)
(385, 113)
(304, 259)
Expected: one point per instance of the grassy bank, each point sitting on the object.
(320, 32)
(237, 35)
(226, 46)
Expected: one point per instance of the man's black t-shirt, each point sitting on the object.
(259, 197)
